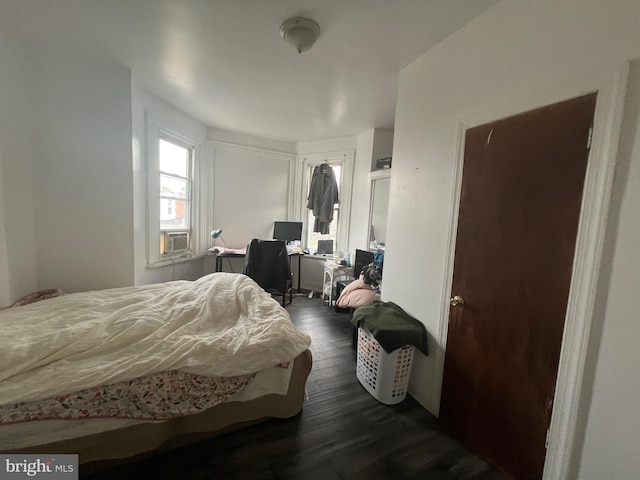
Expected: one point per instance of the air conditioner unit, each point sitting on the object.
(176, 242)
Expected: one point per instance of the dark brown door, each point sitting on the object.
(519, 209)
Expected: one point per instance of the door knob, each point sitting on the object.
(456, 301)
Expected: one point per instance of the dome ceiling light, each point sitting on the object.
(301, 33)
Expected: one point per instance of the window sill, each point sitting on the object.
(165, 261)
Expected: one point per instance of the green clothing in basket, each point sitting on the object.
(391, 326)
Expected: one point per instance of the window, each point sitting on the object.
(313, 237)
(179, 174)
(175, 162)
(342, 164)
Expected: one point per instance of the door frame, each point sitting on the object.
(611, 90)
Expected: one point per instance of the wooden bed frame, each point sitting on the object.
(153, 437)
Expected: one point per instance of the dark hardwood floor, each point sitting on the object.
(342, 432)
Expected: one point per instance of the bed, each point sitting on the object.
(116, 373)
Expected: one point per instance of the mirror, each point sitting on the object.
(380, 182)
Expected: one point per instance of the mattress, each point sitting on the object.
(272, 381)
(114, 445)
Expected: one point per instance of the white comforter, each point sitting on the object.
(220, 325)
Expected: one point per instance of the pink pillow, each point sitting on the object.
(357, 294)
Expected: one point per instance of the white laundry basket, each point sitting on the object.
(384, 375)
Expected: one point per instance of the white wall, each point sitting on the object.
(614, 420)
(514, 56)
(328, 145)
(382, 145)
(80, 142)
(358, 233)
(251, 178)
(17, 210)
(236, 138)
(379, 210)
(250, 192)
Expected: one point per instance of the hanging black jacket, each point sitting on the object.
(323, 195)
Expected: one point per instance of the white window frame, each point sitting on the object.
(189, 179)
(197, 222)
(307, 162)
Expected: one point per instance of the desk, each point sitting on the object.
(220, 256)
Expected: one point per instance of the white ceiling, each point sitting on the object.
(224, 62)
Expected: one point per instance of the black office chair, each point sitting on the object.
(267, 263)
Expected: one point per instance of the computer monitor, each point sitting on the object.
(363, 258)
(287, 231)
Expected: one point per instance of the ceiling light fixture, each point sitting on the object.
(301, 33)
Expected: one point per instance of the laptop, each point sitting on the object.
(325, 247)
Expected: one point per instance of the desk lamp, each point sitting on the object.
(218, 233)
